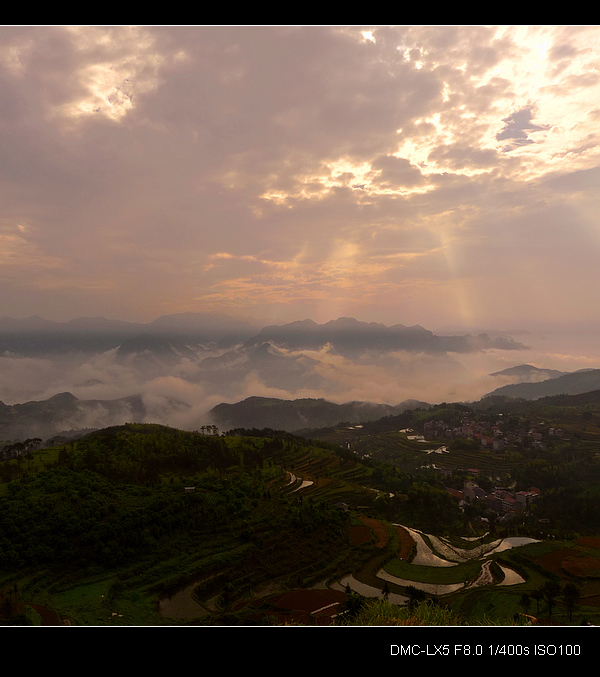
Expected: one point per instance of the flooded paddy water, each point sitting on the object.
(182, 606)
(366, 590)
(433, 551)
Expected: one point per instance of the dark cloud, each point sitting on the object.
(396, 172)
(518, 127)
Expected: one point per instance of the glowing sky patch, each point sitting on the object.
(408, 173)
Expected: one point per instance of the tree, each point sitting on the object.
(525, 602)
(354, 604)
(415, 596)
(537, 595)
(570, 596)
(550, 591)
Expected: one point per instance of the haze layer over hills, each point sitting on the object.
(178, 369)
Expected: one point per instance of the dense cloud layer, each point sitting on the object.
(400, 174)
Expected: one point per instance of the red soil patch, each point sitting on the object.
(582, 566)
(308, 600)
(406, 543)
(592, 601)
(373, 530)
(571, 561)
(304, 607)
(48, 616)
(359, 535)
(589, 542)
(553, 561)
(379, 530)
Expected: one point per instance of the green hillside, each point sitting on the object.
(134, 513)
(149, 525)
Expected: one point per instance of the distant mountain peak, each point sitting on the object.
(573, 383)
(63, 397)
(345, 321)
(529, 372)
(350, 336)
(300, 414)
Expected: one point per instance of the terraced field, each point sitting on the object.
(483, 578)
(408, 451)
(260, 517)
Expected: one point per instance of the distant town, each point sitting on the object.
(496, 436)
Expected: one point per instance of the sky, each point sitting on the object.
(445, 176)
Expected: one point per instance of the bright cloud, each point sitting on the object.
(414, 174)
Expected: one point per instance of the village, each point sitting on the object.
(495, 436)
(500, 504)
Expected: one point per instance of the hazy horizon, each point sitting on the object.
(180, 388)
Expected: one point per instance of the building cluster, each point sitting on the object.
(502, 502)
(491, 435)
(496, 436)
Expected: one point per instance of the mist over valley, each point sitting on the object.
(185, 369)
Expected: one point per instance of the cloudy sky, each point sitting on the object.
(445, 176)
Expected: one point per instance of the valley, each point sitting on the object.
(145, 524)
(171, 505)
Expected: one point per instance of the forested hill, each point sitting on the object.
(157, 507)
(301, 414)
(134, 513)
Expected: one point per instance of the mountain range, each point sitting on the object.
(35, 335)
(526, 373)
(65, 414)
(350, 336)
(573, 383)
(303, 413)
(225, 359)
(192, 369)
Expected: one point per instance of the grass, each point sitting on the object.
(380, 612)
(95, 603)
(461, 573)
(479, 605)
(87, 601)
